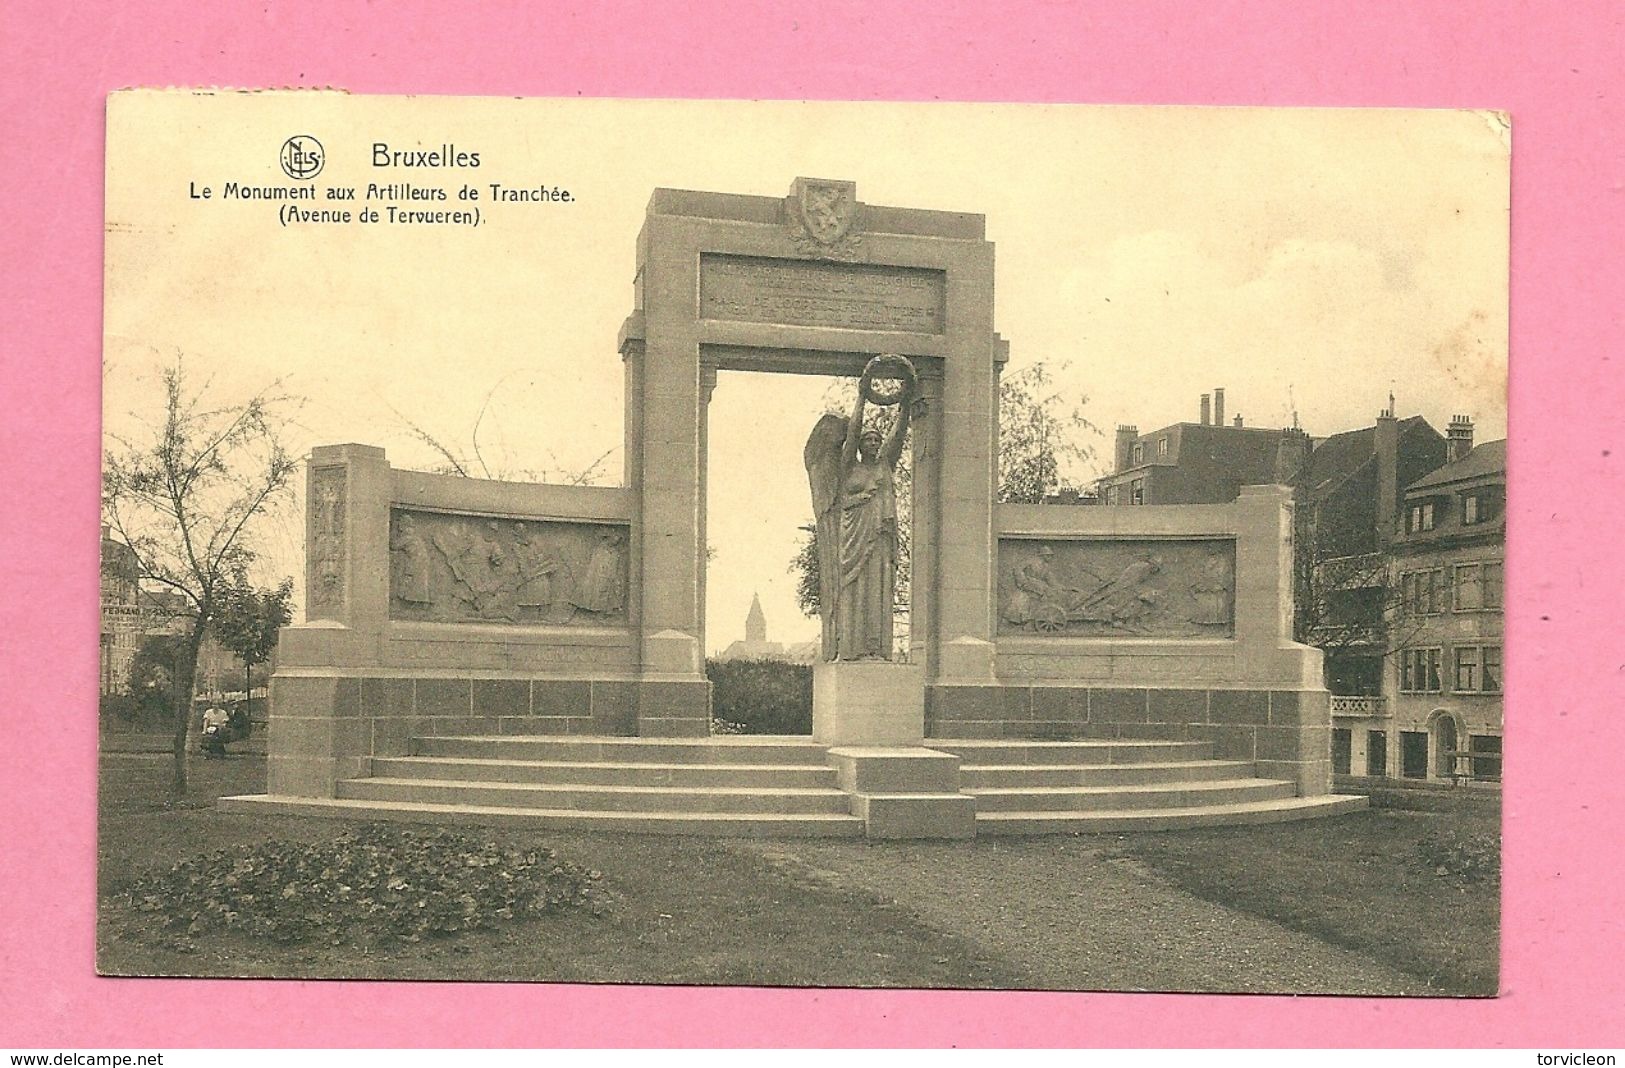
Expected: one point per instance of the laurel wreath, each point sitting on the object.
(891, 367)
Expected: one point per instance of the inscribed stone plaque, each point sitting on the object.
(477, 569)
(1117, 588)
(794, 293)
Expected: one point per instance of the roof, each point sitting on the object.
(1489, 458)
(1338, 457)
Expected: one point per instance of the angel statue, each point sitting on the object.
(852, 473)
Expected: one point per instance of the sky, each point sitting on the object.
(1309, 261)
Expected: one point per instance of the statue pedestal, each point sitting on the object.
(868, 702)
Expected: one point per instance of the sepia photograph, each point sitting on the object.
(745, 543)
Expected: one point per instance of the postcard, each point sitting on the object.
(803, 544)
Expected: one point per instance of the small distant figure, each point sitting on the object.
(222, 727)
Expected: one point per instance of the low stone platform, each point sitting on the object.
(794, 787)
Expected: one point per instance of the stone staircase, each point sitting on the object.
(791, 787)
(755, 786)
(1083, 787)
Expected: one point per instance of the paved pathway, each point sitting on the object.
(1104, 924)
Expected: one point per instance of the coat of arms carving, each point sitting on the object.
(823, 218)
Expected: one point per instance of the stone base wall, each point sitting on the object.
(1286, 733)
(328, 727)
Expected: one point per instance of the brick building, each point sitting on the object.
(1205, 462)
(1439, 714)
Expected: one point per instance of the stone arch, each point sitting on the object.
(1447, 733)
(817, 283)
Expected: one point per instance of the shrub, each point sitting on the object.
(760, 696)
(379, 884)
(119, 708)
(1470, 858)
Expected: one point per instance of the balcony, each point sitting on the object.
(1360, 707)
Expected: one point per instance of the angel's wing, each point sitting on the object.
(822, 456)
(823, 459)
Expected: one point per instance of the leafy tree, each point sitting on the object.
(248, 620)
(152, 675)
(181, 494)
(1042, 433)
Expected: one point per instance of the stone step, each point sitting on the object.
(1279, 810)
(1108, 751)
(605, 773)
(733, 824)
(649, 799)
(989, 776)
(761, 749)
(1162, 795)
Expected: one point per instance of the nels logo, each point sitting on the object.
(302, 156)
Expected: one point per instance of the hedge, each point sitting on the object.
(760, 696)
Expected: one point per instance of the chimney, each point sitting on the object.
(1290, 453)
(1238, 420)
(1385, 448)
(1218, 406)
(1125, 445)
(1458, 438)
(1062, 495)
(1207, 410)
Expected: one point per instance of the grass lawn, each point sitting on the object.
(682, 910)
(1327, 906)
(1356, 881)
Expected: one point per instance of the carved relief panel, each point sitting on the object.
(1117, 588)
(325, 536)
(476, 569)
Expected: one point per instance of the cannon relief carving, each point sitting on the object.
(1103, 588)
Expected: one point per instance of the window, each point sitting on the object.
(1472, 509)
(1477, 669)
(1342, 744)
(1478, 586)
(1486, 750)
(1421, 591)
(1162, 448)
(1468, 587)
(1421, 517)
(1139, 452)
(1136, 491)
(1376, 753)
(1466, 669)
(1491, 679)
(1419, 670)
(1413, 754)
(1111, 494)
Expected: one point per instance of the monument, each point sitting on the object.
(459, 631)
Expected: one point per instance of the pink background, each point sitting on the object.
(1555, 67)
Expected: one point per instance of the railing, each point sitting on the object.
(1365, 707)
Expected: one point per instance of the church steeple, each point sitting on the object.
(756, 621)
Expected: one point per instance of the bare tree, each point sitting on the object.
(182, 494)
(470, 461)
(1353, 604)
